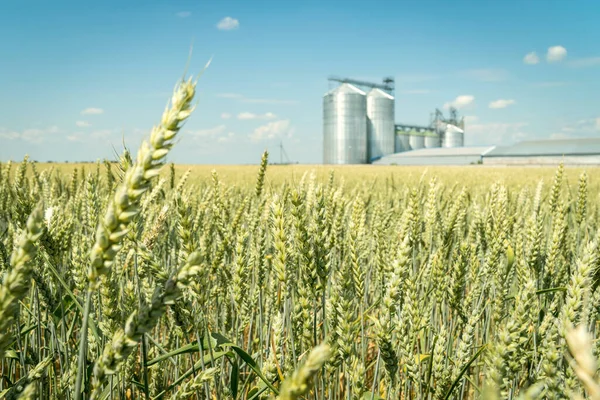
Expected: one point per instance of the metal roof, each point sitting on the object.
(443, 152)
(345, 88)
(554, 147)
(380, 93)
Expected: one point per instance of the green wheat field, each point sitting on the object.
(140, 279)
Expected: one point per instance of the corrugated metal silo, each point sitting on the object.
(432, 140)
(417, 141)
(381, 127)
(345, 126)
(402, 142)
(454, 136)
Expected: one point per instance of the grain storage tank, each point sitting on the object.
(454, 136)
(432, 140)
(402, 141)
(345, 125)
(416, 140)
(381, 127)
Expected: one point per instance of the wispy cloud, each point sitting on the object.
(226, 116)
(83, 124)
(584, 126)
(460, 102)
(92, 111)
(249, 115)
(183, 14)
(272, 130)
(243, 99)
(471, 119)
(501, 103)
(228, 23)
(486, 74)
(211, 132)
(585, 62)
(8, 134)
(103, 134)
(33, 135)
(531, 58)
(75, 137)
(556, 54)
(217, 134)
(230, 137)
(500, 133)
(230, 95)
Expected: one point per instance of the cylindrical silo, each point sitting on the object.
(416, 140)
(402, 142)
(345, 126)
(432, 140)
(381, 126)
(454, 136)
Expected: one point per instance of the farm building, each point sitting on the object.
(437, 156)
(546, 152)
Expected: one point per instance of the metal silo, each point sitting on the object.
(381, 127)
(454, 136)
(402, 142)
(432, 140)
(416, 140)
(345, 126)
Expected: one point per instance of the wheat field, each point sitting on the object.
(139, 279)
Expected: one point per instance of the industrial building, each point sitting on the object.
(584, 151)
(359, 128)
(437, 156)
(359, 125)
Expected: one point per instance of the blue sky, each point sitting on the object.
(76, 78)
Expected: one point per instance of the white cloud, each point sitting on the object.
(75, 137)
(212, 132)
(470, 119)
(501, 103)
(183, 14)
(585, 62)
(10, 135)
(225, 116)
(102, 134)
(32, 135)
(230, 95)
(495, 133)
(556, 53)
(583, 127)
(249, 115)
(228, 23)
(557, 136)
(272, 130)
(460, 102)
(531, 58)
(486, 74)
(227, 139)
(92, 111)
(212, 135)
(83, 124)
